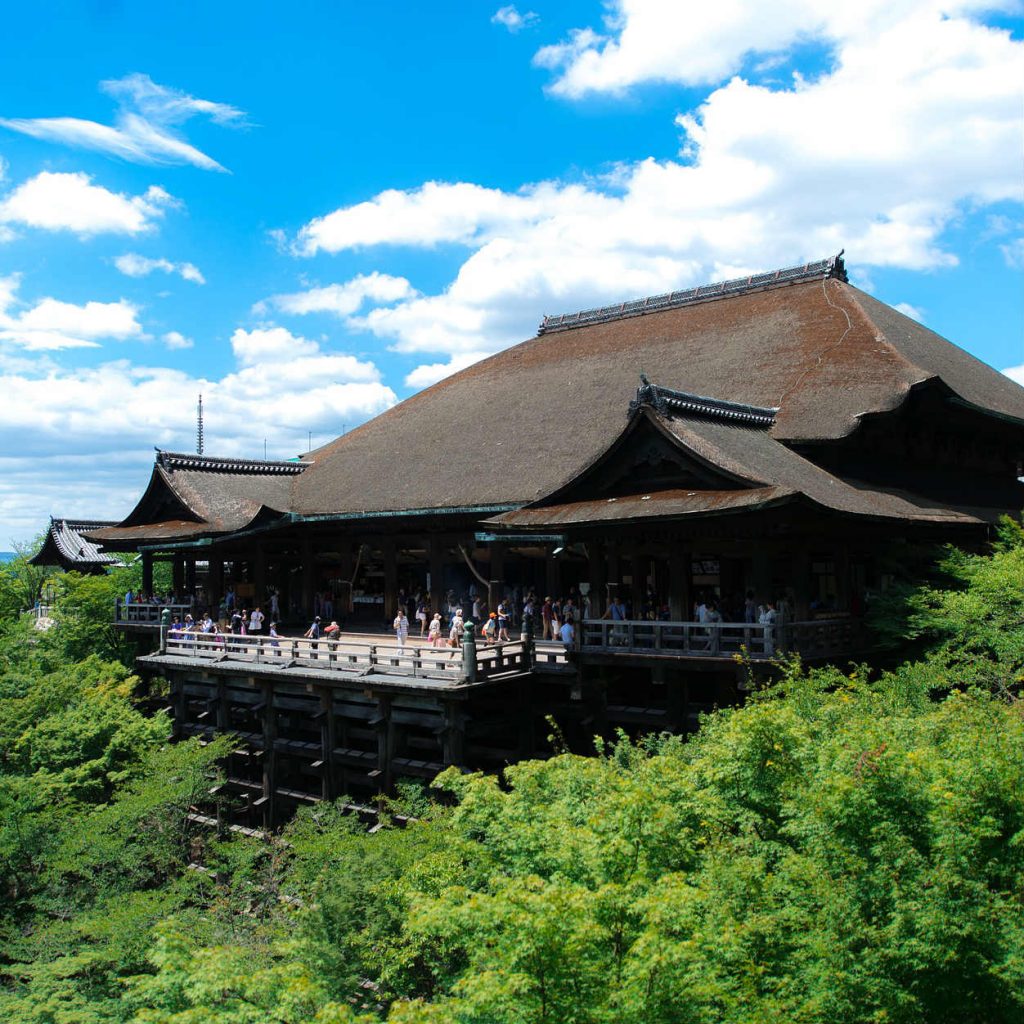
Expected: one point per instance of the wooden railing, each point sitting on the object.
(815, 639)
(354, 656)
(142, 614)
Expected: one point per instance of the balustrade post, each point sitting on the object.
(469, 653)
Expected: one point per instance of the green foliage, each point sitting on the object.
(846, 847)
(20, 582)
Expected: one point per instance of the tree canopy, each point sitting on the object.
(847, 846)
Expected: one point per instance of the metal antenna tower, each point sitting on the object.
(199, 427)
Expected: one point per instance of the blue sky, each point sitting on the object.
(309, 211)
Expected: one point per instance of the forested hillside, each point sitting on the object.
(847, 847)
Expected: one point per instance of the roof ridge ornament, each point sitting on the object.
(669, 402)
(215, 464)
(819, 270)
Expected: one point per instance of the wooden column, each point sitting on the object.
(385, 743)
(328, 741)
(308, 576)
(679, 582)
(259, 576)
(190, 575)
(497, 576)
(269, 755)
(552, 577)
(598, 578)
(435, 557)
(454, 734)
(147, 573)
(390, 580)
(215, 583)
(178, 575)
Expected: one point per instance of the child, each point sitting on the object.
(490, 629)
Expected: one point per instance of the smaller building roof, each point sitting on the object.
(67, 545)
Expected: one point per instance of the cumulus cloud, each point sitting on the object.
(177, 340)
(94, 428)
(645, 41)
(915, 121)
(51, 324)
(431, 373)
(511, 18)
(342, 299)
(134, 265)
(144, 128)
(1015, 373)
(57, 201)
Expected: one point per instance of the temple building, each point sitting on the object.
(784, 436)
(67, 545)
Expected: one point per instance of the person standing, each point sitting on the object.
(503, 620)
(401, 627)
(313, 634)
(434, 636)
(547, 615)
(256, 622)
(421, 614)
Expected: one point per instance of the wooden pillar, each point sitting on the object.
(385, 743)
(147, 573)
(215, 584)
(259, 576)
(190, 575)
(328, 741)
(454, 734)
(269, 755)
(679, 582)
(435, 558)
(390, 580)
(345, 570)
(552, 576)
(178, 575)
(496, 585)
(638, 567)
(842, 594)
(598, 578)
(308, 576)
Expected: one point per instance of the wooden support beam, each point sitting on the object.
(270, 758)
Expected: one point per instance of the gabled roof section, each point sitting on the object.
(67, 546)
(666, 401)
(519, 425)
(816, 271)
(648, 456)
(192, 496)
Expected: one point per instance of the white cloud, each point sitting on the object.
(512, 20)
(1015, 373)
(176, 340)
(144, 126)
(51, 324)
(89, 451)
(134, 265)
(430, 373)
(702, 44)
(917, 121)
(70, 202)
(1013, 253)
(342, 299)
(914, 312)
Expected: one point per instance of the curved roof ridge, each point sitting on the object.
(818, 270)
(224, 464)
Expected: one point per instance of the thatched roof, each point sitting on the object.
(191, 496)
(519, 425)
